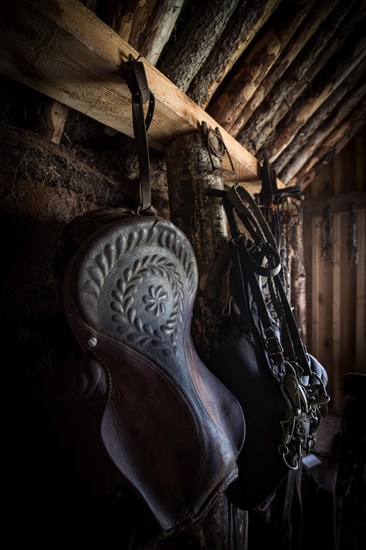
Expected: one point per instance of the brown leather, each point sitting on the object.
(170, 426)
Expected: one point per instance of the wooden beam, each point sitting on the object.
(337, 319)
(333, 145)
(183, 59)
(50, 116)
(63, 50)
(340, 66)
(360, 296)
(130, 19)
(50, 119)
(157, 33)
(204, 222)
(146, 26)
(245, 22)
(339, 106)
(339, 203)
(360, 160)
(308, 28)
(255, 64)
(295, 268)
(335, 30)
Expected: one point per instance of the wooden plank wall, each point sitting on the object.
(336, 285)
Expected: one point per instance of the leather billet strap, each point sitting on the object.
(135, 77)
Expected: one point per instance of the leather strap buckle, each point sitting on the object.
(273, 345)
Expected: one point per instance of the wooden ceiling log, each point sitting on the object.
(185, 56)
(130, 19)
(247, 19)
(335, 72)
(255, 63)
(64, 51)
(334, 31)
(324, 120)
(119, 16)
(146, 26)
(332, 146)
(324, 130)
(157, 33)
(307, 29)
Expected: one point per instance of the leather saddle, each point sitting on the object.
(170, 426)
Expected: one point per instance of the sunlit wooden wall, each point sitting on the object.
(335, 261)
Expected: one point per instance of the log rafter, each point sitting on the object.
(335, 72)
(183, 60)
(332, 146)
(308, 28)
(146, 26)
(245, 22)
(322, 123)
(56, 48)
(253, 66)
(335, 30)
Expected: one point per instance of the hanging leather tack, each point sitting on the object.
(134, 74)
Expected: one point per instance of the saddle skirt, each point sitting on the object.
(170, 426)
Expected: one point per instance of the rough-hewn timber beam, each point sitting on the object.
(254, 64)
(320, 125)
(146, 26)
(334, 31)
(183, 59)
(340, 66)
(64, 51)
(245, 22)
(308, 28)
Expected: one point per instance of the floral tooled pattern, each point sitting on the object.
(128, 318)
(139, 310)
(154, 300)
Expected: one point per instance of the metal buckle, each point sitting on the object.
(273, 345)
